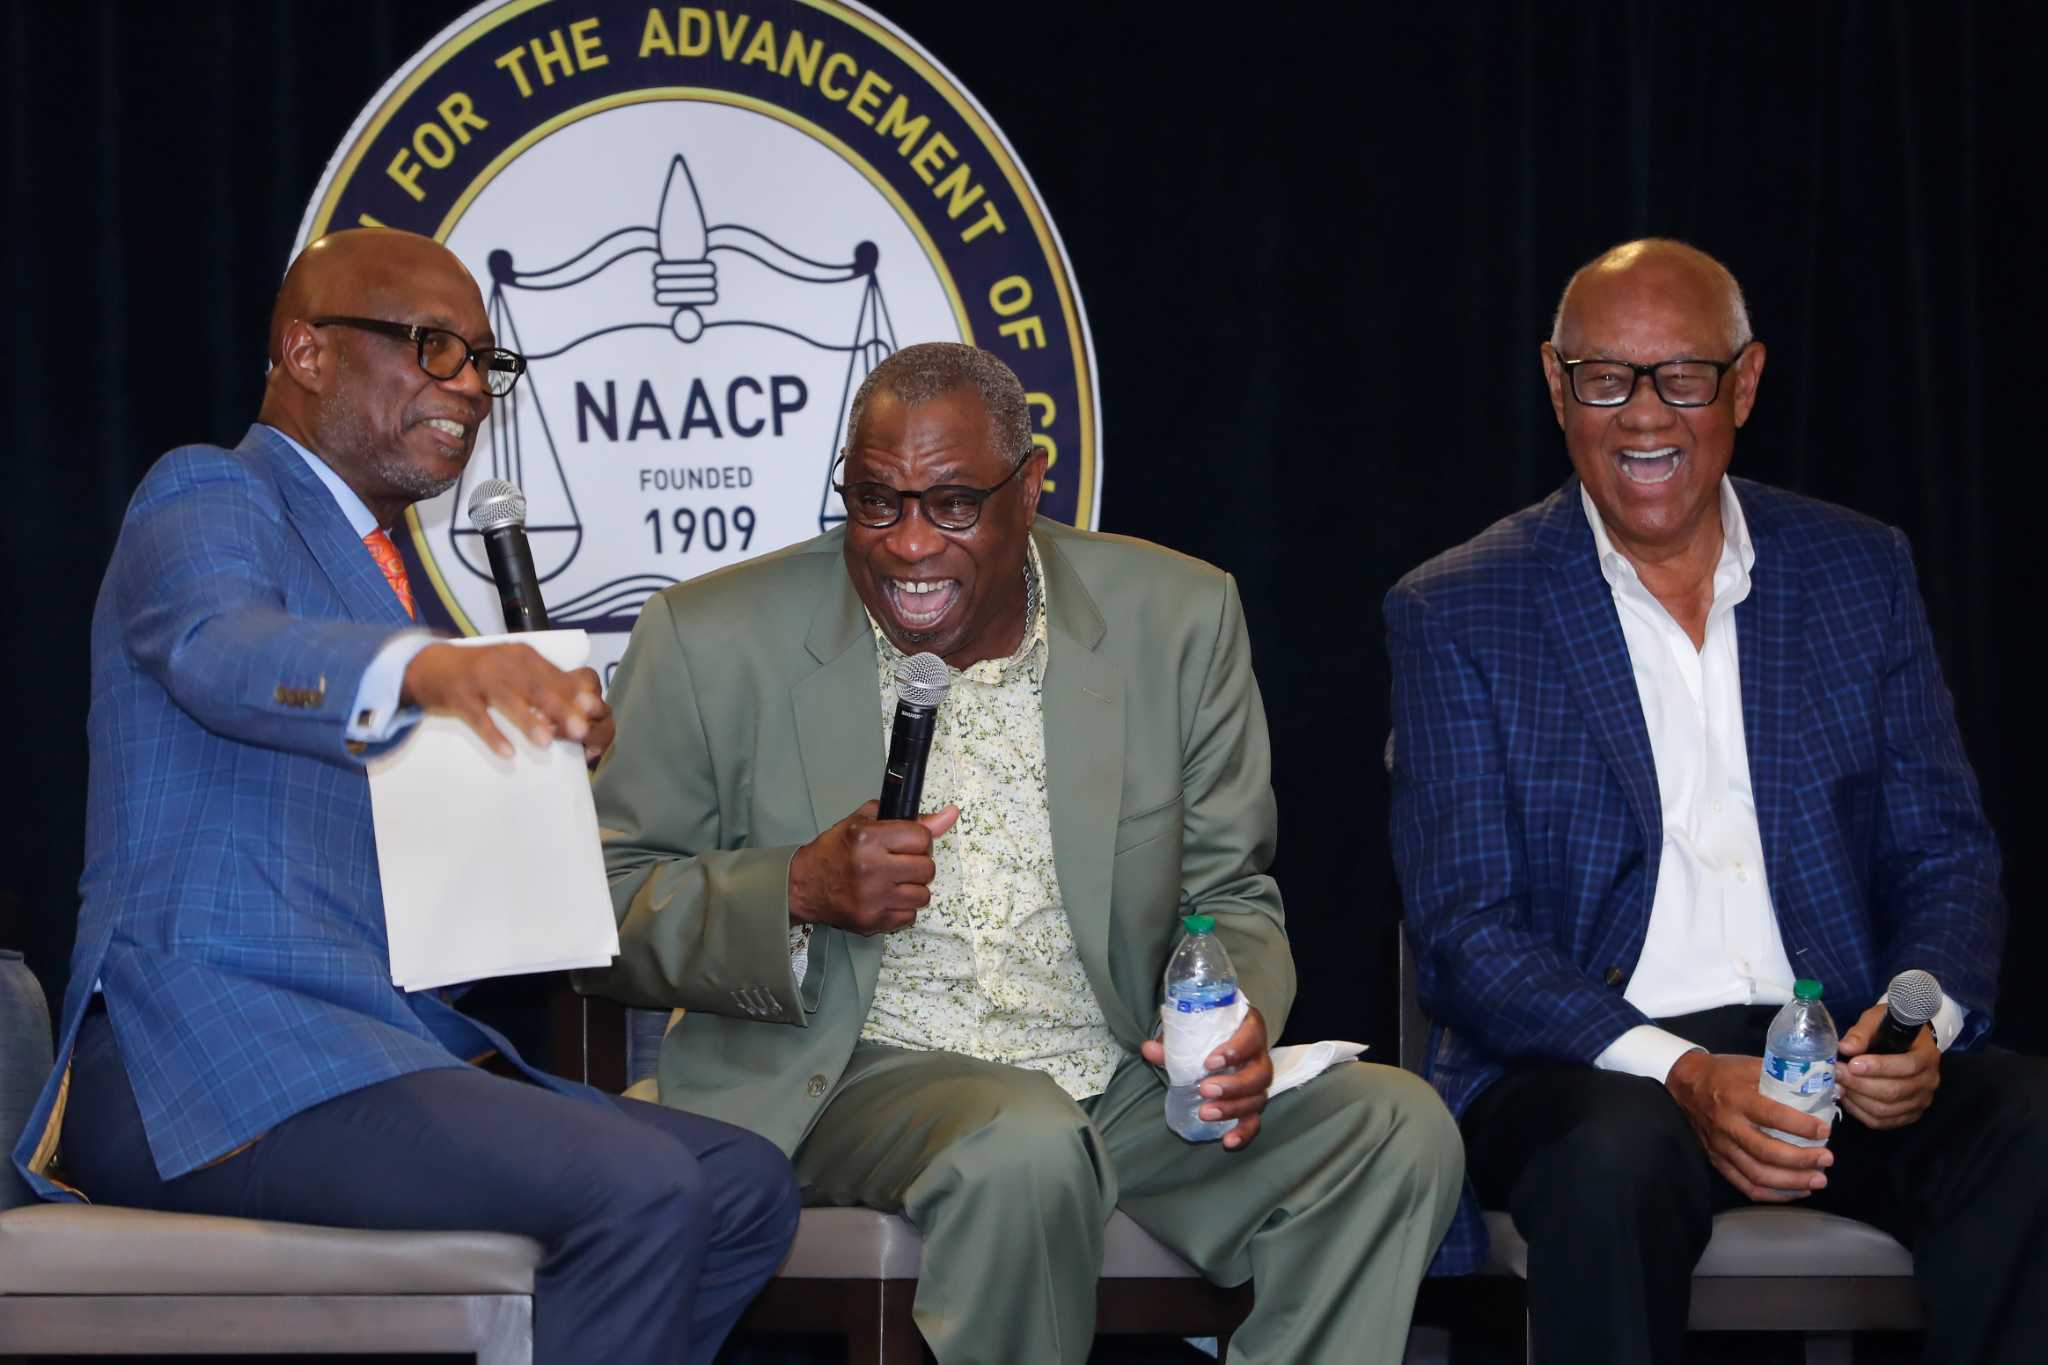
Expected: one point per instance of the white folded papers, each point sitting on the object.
(491, 866)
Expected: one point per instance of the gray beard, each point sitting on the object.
(344, 429)
(414, 483)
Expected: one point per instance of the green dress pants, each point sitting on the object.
(1334, 1211)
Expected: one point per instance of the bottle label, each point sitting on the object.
(1197, 1004)
(1805, 1079)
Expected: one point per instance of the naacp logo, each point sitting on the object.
(703, 226)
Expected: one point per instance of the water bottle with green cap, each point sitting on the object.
(1799, 1060)
(1200, 1014)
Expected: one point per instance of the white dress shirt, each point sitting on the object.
(1713, 938)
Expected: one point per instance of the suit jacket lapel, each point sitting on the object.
(319, 520)
(838, 731)
(1767, 634)
(1577, 607)
(1084, 703)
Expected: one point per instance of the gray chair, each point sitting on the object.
(1765, 1269)
(87, 1280)
(853, 1272)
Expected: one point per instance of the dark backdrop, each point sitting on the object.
(1318, 244)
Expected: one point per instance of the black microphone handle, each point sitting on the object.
(512, 571)
(1893, 1036)
(910, 745)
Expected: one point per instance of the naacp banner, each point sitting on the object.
(703, 226)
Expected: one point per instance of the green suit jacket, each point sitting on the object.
(749, 721)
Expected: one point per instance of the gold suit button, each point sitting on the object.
(816, 1087)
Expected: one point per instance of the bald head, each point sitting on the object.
(1651, 447)
(353, 392)
(1653, 266)
(362, 272)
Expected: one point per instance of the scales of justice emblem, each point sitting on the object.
(687, 387)
(703, 228)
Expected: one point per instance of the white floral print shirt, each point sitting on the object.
(989, 969)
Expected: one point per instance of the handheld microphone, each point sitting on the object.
(1914, 998)
(921, 683)
(498, 511)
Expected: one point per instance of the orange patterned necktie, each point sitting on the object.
(386, 554)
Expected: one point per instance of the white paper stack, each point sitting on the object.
(491, 866)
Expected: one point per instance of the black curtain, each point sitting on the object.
(1318, 247)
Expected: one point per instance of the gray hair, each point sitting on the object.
(917, 374)
(1739, 334)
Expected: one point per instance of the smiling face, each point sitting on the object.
(1653, 471)
(957, 594)
(359, 399)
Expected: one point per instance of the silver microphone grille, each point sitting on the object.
(922, 680)
(496, 503)
(1915, 998)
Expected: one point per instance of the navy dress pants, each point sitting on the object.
(1616, 1199)
(657, 1227)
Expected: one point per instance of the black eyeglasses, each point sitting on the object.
(948, 506)
(1598, 382)
(443, 353)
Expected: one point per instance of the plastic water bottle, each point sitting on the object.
(1799, 1060)
(1201, 999)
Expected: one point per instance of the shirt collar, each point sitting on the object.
(359, 516)
(1027, 660)
(1738, 554)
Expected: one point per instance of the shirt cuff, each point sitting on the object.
(1646, 1051)
(375, 715)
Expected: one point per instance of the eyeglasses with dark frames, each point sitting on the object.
(948, 506)
(443, 353)
(1599, 382)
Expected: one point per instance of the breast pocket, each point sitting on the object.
(1148, 824)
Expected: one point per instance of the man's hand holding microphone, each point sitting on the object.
(872, 872)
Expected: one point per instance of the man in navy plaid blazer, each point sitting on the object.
(1662, 743)
(231, 1041)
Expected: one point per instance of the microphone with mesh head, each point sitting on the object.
(498, 511)
(921, 683)
(1913, 999)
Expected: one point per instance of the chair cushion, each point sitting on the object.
(1752, 1243)
(90, 1249)
(864, 1244)
(1506, 1252)
(1804, 1243)
(853, 1244)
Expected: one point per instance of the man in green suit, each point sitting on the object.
(952, 1016)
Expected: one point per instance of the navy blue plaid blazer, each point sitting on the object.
(231, 909)
(1525, 821)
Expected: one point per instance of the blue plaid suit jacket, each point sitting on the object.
(231, 909)
(1526, 824)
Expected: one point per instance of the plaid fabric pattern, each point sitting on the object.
(1525, 822)
(231, 909)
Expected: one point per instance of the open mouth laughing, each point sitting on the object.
(920, 603)
(1660, 465)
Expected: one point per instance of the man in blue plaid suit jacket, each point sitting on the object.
(231, 1041)
(1656, 739)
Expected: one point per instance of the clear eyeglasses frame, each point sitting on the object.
(948, 506)
(443, 353)
(1688, 382)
